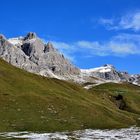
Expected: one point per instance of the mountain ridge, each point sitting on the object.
(32, 54)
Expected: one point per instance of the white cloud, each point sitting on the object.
(128, 21)
(106, 21)
(121, 49)
(92, 48)
(120, 45)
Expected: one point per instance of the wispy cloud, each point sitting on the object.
(129, 21)
(108, 23)
(120, 45)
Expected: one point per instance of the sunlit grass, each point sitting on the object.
(29, 102)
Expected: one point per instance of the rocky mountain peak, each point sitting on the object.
(49, 48)
(32, 54)
(106, 72)
(4, 42)
(2, 37)
(109, 66)
(30, 35)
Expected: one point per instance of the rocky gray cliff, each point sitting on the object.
(32, 54)
(106, 72)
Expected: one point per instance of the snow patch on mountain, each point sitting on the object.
(103, 69)
(16, 41)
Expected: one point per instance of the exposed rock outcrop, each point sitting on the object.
(119, 101)
(135, 79)
(32, 54)
(106, 72)
(30, 35)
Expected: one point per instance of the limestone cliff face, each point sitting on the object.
(32, 54)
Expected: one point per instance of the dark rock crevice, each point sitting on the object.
(119, 101)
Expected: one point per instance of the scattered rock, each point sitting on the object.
(119, 101)
(18, 109)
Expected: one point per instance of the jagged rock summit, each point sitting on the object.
(32, 54)
(30, 35)
(49, 48)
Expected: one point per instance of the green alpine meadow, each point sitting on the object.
(29, 102)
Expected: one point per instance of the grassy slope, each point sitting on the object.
(130, 93)
(34, 103)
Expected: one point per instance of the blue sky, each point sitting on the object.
(90, 32)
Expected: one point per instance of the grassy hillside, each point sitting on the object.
(131, 94)
(34, 103)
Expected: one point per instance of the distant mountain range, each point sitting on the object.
(34, 55)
